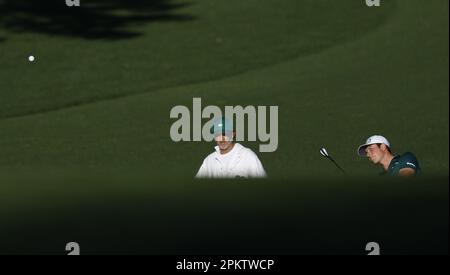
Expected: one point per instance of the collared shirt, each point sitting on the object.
(239, 162)
(407, 160)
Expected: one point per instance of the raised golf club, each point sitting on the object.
(324, 153)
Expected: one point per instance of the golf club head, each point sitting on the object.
(324, 152)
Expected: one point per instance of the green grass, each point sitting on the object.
(338, 71)
(221, 41)
(360, 71)
(127, 215)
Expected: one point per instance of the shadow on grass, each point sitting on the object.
(222, 218)
(94, 19)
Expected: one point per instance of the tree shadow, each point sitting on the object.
(94, 19)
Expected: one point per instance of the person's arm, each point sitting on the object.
(203, 171)
(408, 165)
(257, 170)
(405, 172)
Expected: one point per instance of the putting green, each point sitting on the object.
(218, 40)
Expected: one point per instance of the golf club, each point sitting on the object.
(324, 153)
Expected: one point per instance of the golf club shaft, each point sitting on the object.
(337, 165)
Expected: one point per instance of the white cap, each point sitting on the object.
(372, 140)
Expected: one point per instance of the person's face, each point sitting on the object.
(224, 141)
(375, 153)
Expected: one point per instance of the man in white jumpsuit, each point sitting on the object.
(230, 159)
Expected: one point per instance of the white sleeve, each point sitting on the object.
(256, 168)
(203, 171)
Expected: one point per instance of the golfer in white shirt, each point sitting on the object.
(230, 159)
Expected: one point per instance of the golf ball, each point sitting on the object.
(31, 58)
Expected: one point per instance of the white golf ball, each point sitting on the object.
(31, 58)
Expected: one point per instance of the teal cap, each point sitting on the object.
(222, 126)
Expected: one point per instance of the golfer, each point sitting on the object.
(378, 150)
(230, 159)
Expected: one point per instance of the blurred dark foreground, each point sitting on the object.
(136, 215)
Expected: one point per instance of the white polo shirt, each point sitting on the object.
(239, 162)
